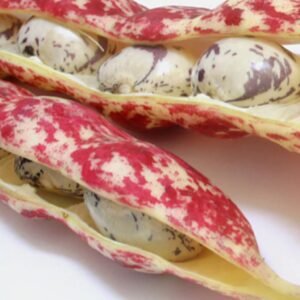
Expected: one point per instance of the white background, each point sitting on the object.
(44, 260)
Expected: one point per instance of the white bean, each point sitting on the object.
(137, 229)
(42, 177)
(61, 48)
(247, 72)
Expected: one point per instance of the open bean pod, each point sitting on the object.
(222, 72)
(134, 176)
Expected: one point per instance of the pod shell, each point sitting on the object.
(127, 21)
(136, 174)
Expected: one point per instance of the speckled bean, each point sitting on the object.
(148, 69)
(42, 177)
(247, 72)
(61, 48)
(128, 226)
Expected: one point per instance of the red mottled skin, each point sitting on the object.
(212, 122)
(232, 16)
(129, 21)
(153, 113)
(81, 144)
(126, 20)
(142, 116)
(38, 213)
(272, 17)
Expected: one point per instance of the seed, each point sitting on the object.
(131, 227)
(150, 69)
(60, 47)
(246, 72)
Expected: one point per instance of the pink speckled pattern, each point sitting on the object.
(127, 20)
(129, 171)
(157, 111)
(275, 19)
(83, 146)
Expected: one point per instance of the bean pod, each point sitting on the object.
(174, 68)
(80, 145)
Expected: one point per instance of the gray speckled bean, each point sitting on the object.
(137, 229)
(42, 177)
(61, 48)
(9, 28)
(246, 72)
(149, 69)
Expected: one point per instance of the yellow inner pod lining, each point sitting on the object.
(208, 268)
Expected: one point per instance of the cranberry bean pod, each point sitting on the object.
(152, 181)
(269, 112)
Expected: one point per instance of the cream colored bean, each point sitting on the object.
(137, 229)
(247, 72)
(42, 177)
(148, 69)
(61, 48)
